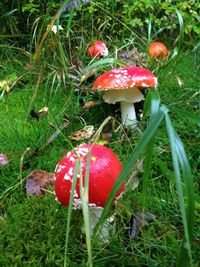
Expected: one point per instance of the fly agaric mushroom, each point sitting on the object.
(98, 49)
(104, 169)
(157, 49)
(121, 85)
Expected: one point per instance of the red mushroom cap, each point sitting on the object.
(124, 78)
(97, 49)
(104, 170)
(157, 49)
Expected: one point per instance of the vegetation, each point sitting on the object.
(40, 68)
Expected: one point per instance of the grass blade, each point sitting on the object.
(181, 26)
(85, 208)
(92, 68)
(76, 171)
(180, 163)
(154, 101)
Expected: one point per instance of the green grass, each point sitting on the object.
(37, 231)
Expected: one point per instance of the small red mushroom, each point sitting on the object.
(157, 49)
(104, 170)
(121, 85)
(98, 49)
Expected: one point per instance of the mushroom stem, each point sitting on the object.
(128, 114)
(94, 215)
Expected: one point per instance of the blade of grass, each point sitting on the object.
(9, 13)
(149, 30)
(155, 104)
(146, 137)
(85, 209)
(92, 68)
(152, 103)
(76, 171)
(180, 163)
(181, 26)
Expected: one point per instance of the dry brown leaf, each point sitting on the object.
(43, 111)
(133, 180)
(91, 104)
(133, 57)
(107, 137)
(139, 221)
(38, 180)
(83, 133)
(4, 160)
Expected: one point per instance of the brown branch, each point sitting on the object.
(37, 50)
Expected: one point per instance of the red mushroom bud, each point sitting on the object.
(104, 170)
(97, 49)
(157, 49)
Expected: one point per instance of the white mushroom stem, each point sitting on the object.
(127, 98)
(128, 114)
(94, 215)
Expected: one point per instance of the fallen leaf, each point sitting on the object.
(5, 86)
(37, 181)
(43, 111)
(133, 180)
(4, 160)
(91, 104)
(133, 57)
(138, 221)
(73, 4)
(83, 133)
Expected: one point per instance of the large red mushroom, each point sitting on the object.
(122, 85)
(104, 169)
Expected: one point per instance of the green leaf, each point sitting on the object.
(185, 190)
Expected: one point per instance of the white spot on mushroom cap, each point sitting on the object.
(104, 52)
(82, 151)
(72, 159)
(144, 85)
(68, 154)
(77, 203)
(155, 81)
(59, 167)
(75, 194)
(67, 177)
(71, 171)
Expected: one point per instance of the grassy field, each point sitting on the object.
(33, 229)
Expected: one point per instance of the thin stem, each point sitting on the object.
(128, 114)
